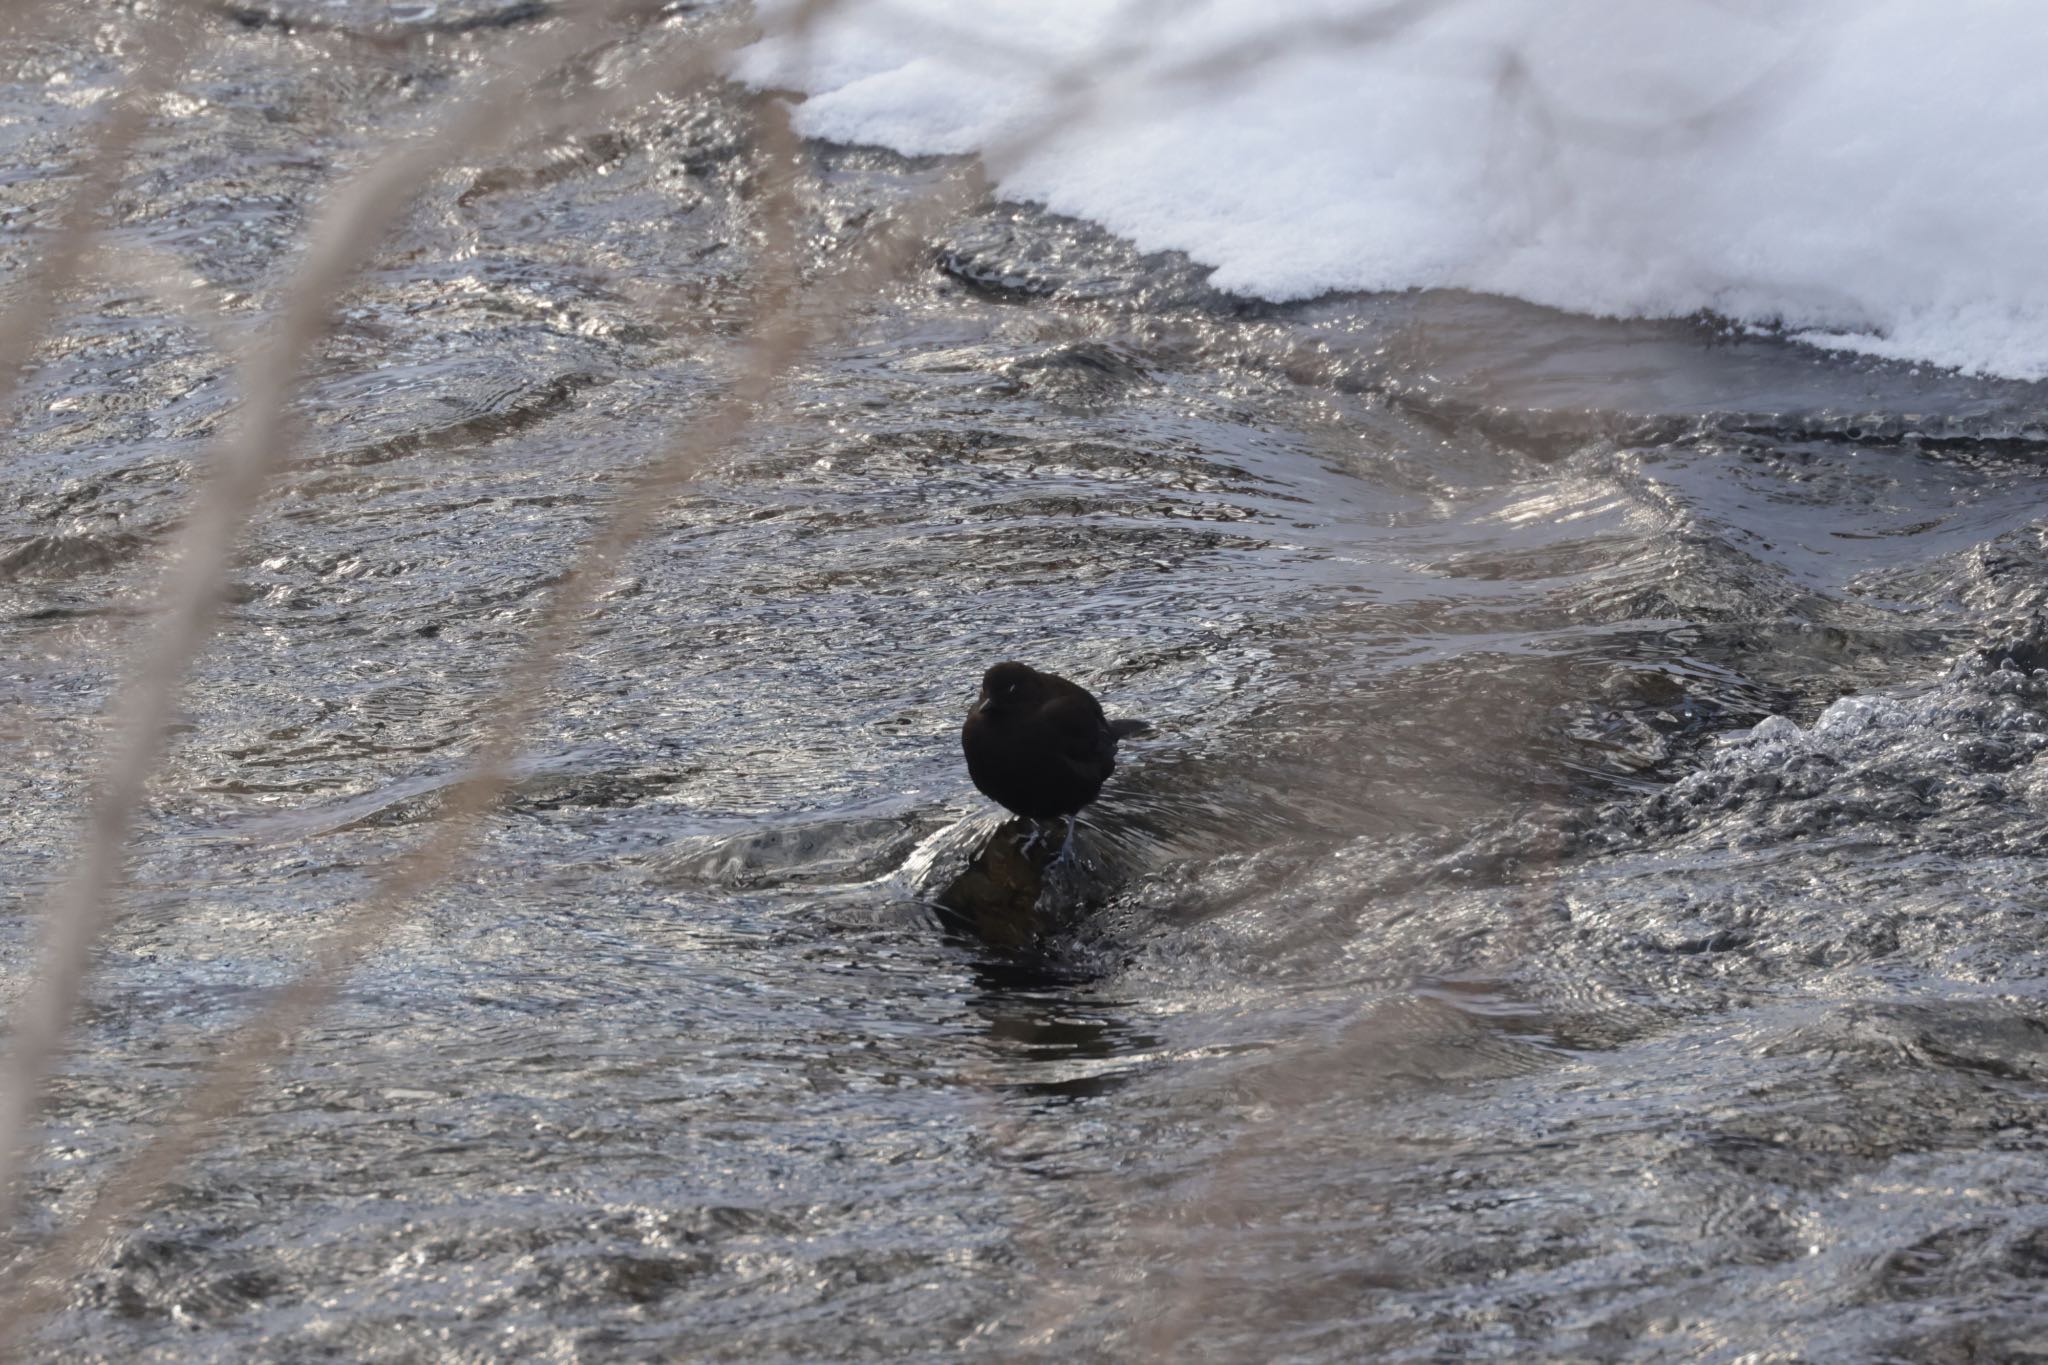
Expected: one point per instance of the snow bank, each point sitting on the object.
(1872, 174)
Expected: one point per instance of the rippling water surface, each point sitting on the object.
(1580, 898)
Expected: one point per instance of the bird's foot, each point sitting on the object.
(1037, 833)
(1066, 852)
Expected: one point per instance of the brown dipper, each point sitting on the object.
(1040, 744)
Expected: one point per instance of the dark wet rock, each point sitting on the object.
(791, 854)
(1083, 372)
(594, 153)
(1013, 255)
(479, 420)
(992, 279)
(996, 899)
(68, 555)
(384, 21)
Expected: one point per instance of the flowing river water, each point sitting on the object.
(1581, 897)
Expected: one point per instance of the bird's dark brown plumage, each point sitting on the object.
(1039, 744)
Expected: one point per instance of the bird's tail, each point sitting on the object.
(1128, 729)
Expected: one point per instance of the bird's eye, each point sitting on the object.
(1009, 688)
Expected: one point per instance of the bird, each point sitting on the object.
(1040, 745)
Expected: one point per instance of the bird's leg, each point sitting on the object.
(1037, 833)
(1067, 844)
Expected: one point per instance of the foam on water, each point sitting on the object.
(1883, 766)
(1858, 172)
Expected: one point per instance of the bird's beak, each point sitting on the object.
(981, 704)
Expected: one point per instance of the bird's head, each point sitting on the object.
(1008, 687)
